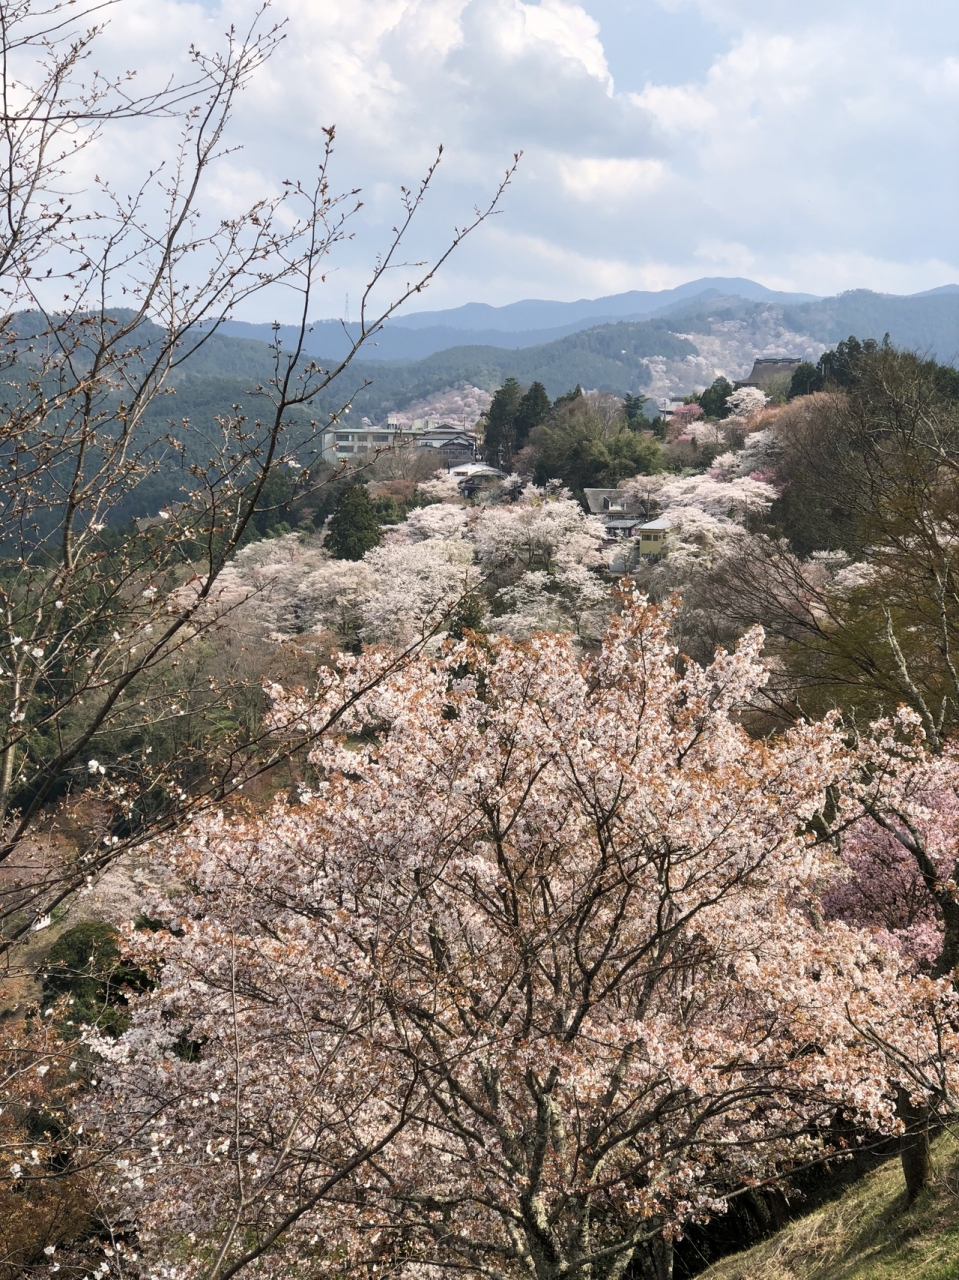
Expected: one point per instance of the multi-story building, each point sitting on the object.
(452, 445)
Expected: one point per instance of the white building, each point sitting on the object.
(452, 445)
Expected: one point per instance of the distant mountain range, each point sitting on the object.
(532, 314)
(928, 321)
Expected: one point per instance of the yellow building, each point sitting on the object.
(652, 537)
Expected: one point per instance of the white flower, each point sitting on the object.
(58, 604)
(149, 593)
(93, 766)
(36, 653)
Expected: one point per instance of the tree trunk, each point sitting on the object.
(661, 1258)
(914, 1145)
(948, 959)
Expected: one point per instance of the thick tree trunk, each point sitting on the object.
(661, 1259)
(948, 960)
(914, 1145)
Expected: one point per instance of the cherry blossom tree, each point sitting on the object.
(896, 824)
(909, 797)
(543, 554)
(706, 517)
(535, 529)
(746, 401)
(533, 559)
(761, 452)
(535, 975)
(684, 414)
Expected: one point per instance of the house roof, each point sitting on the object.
(768, 369)
(470, 469)
(456, 442)
(598, 500)
(654, 525)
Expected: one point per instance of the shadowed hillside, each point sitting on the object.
(868, 1234)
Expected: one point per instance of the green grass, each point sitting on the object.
(868, 1234)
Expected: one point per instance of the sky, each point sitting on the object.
(810, 144)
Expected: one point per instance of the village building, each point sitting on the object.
(451, 444)
(609, 504)
(623, 526)
(473, 476)
(652, 538)
(772, 374)
(626, 519)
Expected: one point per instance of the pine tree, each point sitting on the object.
(500, 434)
(713, 399)
(532, 410)
(354, 528)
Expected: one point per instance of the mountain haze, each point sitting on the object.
(635, 305)
(928, 321)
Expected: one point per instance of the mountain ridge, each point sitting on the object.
(927, 320)
(635, 304)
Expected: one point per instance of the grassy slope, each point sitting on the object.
(867, 1234)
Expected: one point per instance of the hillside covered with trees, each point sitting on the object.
(423, 874)
(506, 768)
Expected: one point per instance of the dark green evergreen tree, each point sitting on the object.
(468, 616)
(840, 367)
(569, 397)
(354, 526)
(499, 441)
(805, 380)
(578, 449)
(713, 399)
(532, 411)
(86, 964)
(633, 409)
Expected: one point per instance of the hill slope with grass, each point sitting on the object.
(868, 1234)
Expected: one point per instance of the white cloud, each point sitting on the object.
(571, 31)
(814, 152)
(611, 179)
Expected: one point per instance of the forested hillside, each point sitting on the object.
(928, 323)
(226, 371)
(407, 835)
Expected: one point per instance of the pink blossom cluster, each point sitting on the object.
(537, 963)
